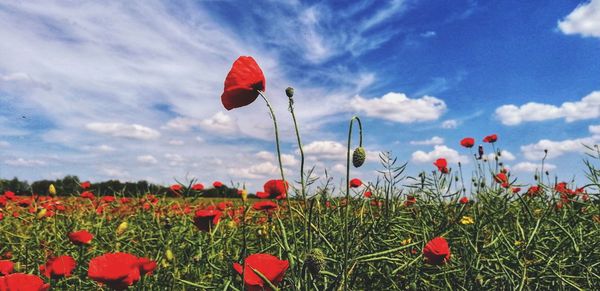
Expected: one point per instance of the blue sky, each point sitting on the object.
(130, 90)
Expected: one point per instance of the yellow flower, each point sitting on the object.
(169, 255)
(466, 220)
(406, 241)
(244, 195)
(42, 213)
(518, 243)
(122, 227)
(52, 190)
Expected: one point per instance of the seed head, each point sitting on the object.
(289, 91)
(314, 261)
(358, 157)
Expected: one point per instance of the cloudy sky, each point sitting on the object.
(131, 89)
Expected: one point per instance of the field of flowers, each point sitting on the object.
(442, 229)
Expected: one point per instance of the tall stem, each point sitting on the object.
(346, 212)
(289, 255)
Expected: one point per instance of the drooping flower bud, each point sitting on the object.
(169, 255)
(358, 157)
(122, 227)
(289, 91)
(52, 190)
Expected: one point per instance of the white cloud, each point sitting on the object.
(220, 123)
(147, 159)
(325, 149)
(398, 107)
(439, 151)
(174, 159)
(586, 108)
(450, 124)
(531, 167)
(594, 129)
(584, 20)
(21, 162)
(504, 156)
(134, 131)
(286, 159)
(555, 149)
(428, 34)
(258, 171)
(182, 124)
(99, 149)
(436, 140)
(114, 172)
(4, 144)
(176, 142)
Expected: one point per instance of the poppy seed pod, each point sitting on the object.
(314, 262)
(289, 91)
(358, 157)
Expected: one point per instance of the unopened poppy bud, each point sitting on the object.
(244, 195)
(289, 91)
(122, 227)
(545, 151)
(535, 177)
(52, 190)
(358, 157)
(315, 260)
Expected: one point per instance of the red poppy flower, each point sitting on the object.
(265, 205)
(501, 178)
(58, 267)
(85, 185)
(270, 266)
(368, 194)
(205, 219)
(176, 187)
(410, 200)
(442, 165)
(464, 200)
(275, 189)
(516, 190)
(355, 183)
(147, 266)
(492, 138)
(118, 270)
(88, 195)
(6, 267)
(9, 195)
(467, 142)
(436, 251)
(533, 191)
(124, 200)
(107, 199)
(25, 282)
(81, 237)
(217, 184)
(223, 205)
(198, 187)
(242, 83)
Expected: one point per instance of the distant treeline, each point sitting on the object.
(70, 186)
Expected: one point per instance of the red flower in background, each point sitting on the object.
(467, 142)
(217, 184)
(410, 200)
(58, 267)
(265, 205)
(492, 138)
(534, 191)
(88, 195)
(436, 251)
(9, 195)
(270, 266)
(355, 183)
(516, 190)
(22, 282)
(442, 165)
(147, 266)
(198, 187)
(464, 200)
(6, 267)
(118, 270)
(242, 83)
(206, 219)
(274, 189)
(81, 237)
(85, 185)
(368, 194)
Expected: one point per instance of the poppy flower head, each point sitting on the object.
(276, 188)
(81, 237)
(198, 187)
(6, 267)
(355, 183)
(467, 142)
(146, 266)
(116, 270)
(368, 194)
(442, 165)
(242, 83)
(58, 267)
(217, 184)
(464, 200)
(265, 205)
(85, 185)
(436, 251)
(20, 281)
(492, 138)
(205, 219)
(501, 178)
(270, 266)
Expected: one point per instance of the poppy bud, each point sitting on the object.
(545, 151)
(122, 228)
(52, 190)
(480, 151)
(535, 177)
(358, 157)
(169, 255)
(314, 262)
(289, 91)
(42, 213)
(244, 195)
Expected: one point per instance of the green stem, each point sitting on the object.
(289, 255)
(346, 228)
